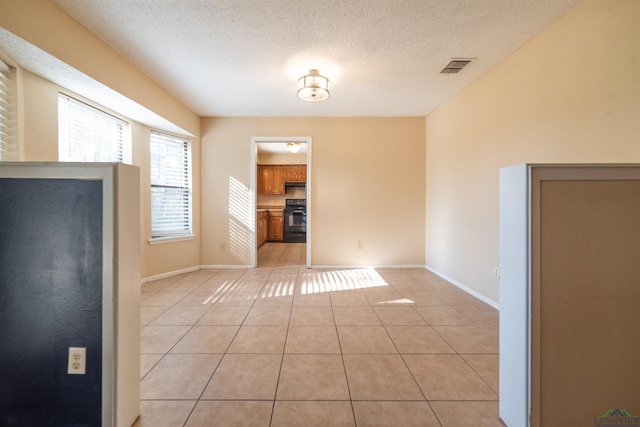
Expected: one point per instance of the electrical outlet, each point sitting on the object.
(360, 245)
(222, 246)
(77, 360)
(496, 272)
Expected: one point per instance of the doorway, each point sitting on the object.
(280, 148)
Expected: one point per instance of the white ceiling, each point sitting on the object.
(383, 57)
(279, 147)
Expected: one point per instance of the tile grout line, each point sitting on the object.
(457, 354)
(283, 274)
(219, 362)
(186, 332)
(224, 354)
(406, 364)
(344, 365)
(284, 345)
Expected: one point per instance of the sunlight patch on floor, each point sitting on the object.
(342, 280)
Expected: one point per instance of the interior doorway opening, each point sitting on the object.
(282, 151)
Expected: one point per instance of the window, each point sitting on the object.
(8, 113)
(170, 186)
(86, 134)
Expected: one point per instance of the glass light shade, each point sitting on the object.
(313, 87)
(294, 147)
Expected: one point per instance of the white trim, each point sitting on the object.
(168, 274)
(169, 239)
(308, 203)
(230, 266)
(253, 203)
(189, 270)
(465, 288)
(253, 187)
(335, 267)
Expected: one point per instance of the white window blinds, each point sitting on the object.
(170, 186)
(86, 134)
(8, 113)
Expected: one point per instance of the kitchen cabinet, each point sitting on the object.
(569, 292)
(295, 173)
(271, 178)
(276, 225)
(263, 227)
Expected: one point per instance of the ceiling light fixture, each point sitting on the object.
(313, 87)
(294, 147)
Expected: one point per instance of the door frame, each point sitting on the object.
(254, 190)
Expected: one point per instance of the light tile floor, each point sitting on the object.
(283, 345)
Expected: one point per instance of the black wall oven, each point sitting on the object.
(295, 221)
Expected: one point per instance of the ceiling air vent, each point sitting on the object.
(455, 66)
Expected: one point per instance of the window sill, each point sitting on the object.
(170, 239)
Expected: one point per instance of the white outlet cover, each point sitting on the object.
(77, 362)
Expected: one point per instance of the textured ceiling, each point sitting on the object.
(383, 57)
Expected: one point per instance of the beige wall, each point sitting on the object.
(282, 159)
(40, 118)
(47, 27)
(44, 25)
(367, 184)
(572, 94)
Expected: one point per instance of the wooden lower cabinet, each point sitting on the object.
(276, 226)
(270, 226)
(263, 227)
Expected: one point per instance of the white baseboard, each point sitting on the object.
(169, 274)
(465, 288)
(335, 267)
(187, 270)
(225, 266)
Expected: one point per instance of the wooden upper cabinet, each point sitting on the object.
(264, 179)
(271, 178)
(278, 180)
(295, 173)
